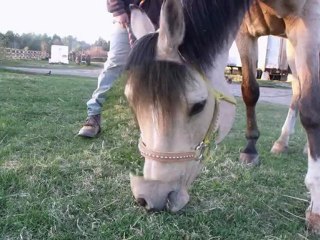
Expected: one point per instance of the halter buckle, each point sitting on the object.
(200, 150)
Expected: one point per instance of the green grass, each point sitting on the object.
(55, 185)
(45, 64)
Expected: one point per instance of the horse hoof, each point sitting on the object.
(313, 222)
(249, 159)
(279, 147)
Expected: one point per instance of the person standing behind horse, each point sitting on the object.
(119, 50)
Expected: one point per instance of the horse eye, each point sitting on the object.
(197, 107)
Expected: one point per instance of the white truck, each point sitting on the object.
(59, 54)
(271, 56)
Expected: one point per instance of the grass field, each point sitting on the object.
(55, 185)
(45, 64)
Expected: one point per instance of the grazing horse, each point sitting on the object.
(178, 93)
(299, 22)
(176, 88)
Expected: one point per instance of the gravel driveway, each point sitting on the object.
(271, 95)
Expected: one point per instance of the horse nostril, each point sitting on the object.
(142, 202)
(152, 210)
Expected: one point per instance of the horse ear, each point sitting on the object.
(171, 31)
(140, 23)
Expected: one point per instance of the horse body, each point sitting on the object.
(298, 21)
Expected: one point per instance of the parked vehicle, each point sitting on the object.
(59, 54)
(271, 57)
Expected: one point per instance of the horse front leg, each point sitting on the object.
(309, 108)
(248, 49)
(282, 144)
(306, 35)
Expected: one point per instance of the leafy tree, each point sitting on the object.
(81, 46)
(2, 40)
(30, 41)
(102, 43)
(9, 39)
(56, 40)
(43, 42)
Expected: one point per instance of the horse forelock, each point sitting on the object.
(159, 83)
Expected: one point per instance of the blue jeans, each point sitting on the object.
(113, 67)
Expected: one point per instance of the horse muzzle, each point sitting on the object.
(157, 195)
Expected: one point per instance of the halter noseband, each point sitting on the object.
(201, 149)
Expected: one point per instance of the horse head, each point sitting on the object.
(175, 106)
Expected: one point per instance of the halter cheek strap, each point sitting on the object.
(201, 150)
(212, 130)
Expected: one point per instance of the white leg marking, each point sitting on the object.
(281, 145)
(288, 126)
(312, 182)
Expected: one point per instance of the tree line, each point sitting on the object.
(43, 42)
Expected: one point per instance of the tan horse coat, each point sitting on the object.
(299, 22)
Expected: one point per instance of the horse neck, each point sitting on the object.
(215, 74)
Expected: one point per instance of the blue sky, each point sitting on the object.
(86, 20)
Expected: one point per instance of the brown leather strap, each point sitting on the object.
(166, 157)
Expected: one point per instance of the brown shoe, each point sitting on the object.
(91, 127)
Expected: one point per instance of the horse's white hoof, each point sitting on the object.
(313, 222)
(278, 147)
(249, 159)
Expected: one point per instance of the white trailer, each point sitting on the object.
(59, 54)
(271, 54)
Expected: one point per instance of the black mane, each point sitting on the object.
(209, 24)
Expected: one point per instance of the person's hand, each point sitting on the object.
(122, 19)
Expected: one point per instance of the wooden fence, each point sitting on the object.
(13, 53)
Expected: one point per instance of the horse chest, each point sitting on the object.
(263, 20)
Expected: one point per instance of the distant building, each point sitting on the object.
(59, 54)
